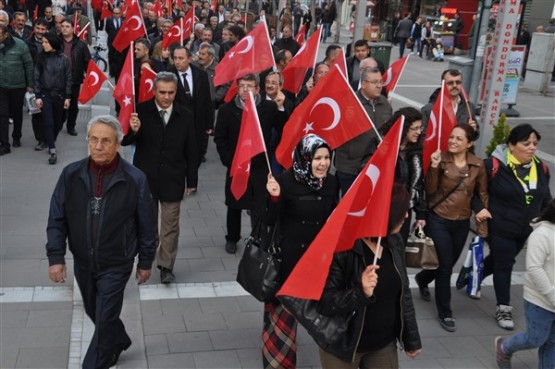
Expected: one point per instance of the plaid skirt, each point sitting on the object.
(279, 347)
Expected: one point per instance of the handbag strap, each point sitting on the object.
(447, 194)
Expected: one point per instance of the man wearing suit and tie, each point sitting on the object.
(193, 92)
(115, 58)
(166, 152)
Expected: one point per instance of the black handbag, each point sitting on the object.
(258, 271)
(420, 252)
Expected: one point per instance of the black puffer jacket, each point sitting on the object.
(343, 296)
(52, 75)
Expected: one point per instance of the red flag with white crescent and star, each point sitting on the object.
(249, 145)
(300, 38)
(132, 28)
(441, 123)
(124, 92)
(92, 83)
(244, 58)
(174, 34)
(331, 110)
(146, 84)
(295, 71)
(106, 12)
(393, 73)
(362, 212)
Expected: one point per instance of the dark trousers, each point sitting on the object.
(449, 237)
(233, 223)
(52, 113)
(500, 261)
(36, 121)
(402, 45)
(71, 114)
(11, 105)
(98, 23)
(103, 299)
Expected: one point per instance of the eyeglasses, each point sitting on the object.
(245, 87)
(453, 83)
(104, 142)
(416, 129)
(375, 82)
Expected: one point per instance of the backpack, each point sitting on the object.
(495, 167)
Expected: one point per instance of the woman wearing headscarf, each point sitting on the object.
(52, 89)
(518, 186)
(302, 198)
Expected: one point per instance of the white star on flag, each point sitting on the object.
(127, 100)
(308, 127)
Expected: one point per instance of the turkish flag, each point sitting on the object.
(300, 35)
(106, 12)
(249, 144)
(331, 110)
(76, 26)
(169, 6)
(231, 92)
(441, 123)
(244, 58)
(174, 34)
(341, 62)
(146, 84)
(92, 83)
(304, 59)
(84, 32)
(132, 28)
(124, 93)
(362, 212)
(393, 73)
(158, 8)
(214, 6)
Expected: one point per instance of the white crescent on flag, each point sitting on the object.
(177, 29)
(334, 107)
(387, 79)
(373, 173)
(96, 78)
(249, 41)
(433, 121)
(136, 18)
(150, 84)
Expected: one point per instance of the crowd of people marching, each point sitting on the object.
(440, 190)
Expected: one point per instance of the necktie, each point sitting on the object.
(163, 116)
(186, 84)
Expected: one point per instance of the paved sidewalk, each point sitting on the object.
(205, 320)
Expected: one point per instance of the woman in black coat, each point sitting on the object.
(377, 299)
(52, 89)
(518, 187)
(302, 198)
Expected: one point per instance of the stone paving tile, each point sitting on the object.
(249, 303)
(243, 320)
(14, 318)
(24, 337)
(250, 358)
(156, 344)
(236, 339)
(464, 347)
(217, 359)
(158, 324)
(10, 272)
(172, 361)
(132, 364)
(206, 265)
(23, 246)
(222, 304)
(49, 318)
(308, 356)
(462, 362)
(183, 306)
(42, 357)
(190, 342)
(204, 322)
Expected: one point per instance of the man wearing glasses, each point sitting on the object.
(463, 110)
(102, 208)
(228, 125)
(351, 157)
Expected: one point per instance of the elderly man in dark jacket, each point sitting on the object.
(102, 208)
(166, 151)
(16, 77)
(272, 115)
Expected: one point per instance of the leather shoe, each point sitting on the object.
(41, 146)
(166, 276)
(4, 150)
(16, 142)
(53, 158)
(424, 290)
(231, 247)
(119, 349)
(72, 131)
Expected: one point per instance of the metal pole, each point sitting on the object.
(478, 60)
(360, 20)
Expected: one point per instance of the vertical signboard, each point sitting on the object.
(497, 64)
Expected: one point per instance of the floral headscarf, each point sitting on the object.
(302, 160)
